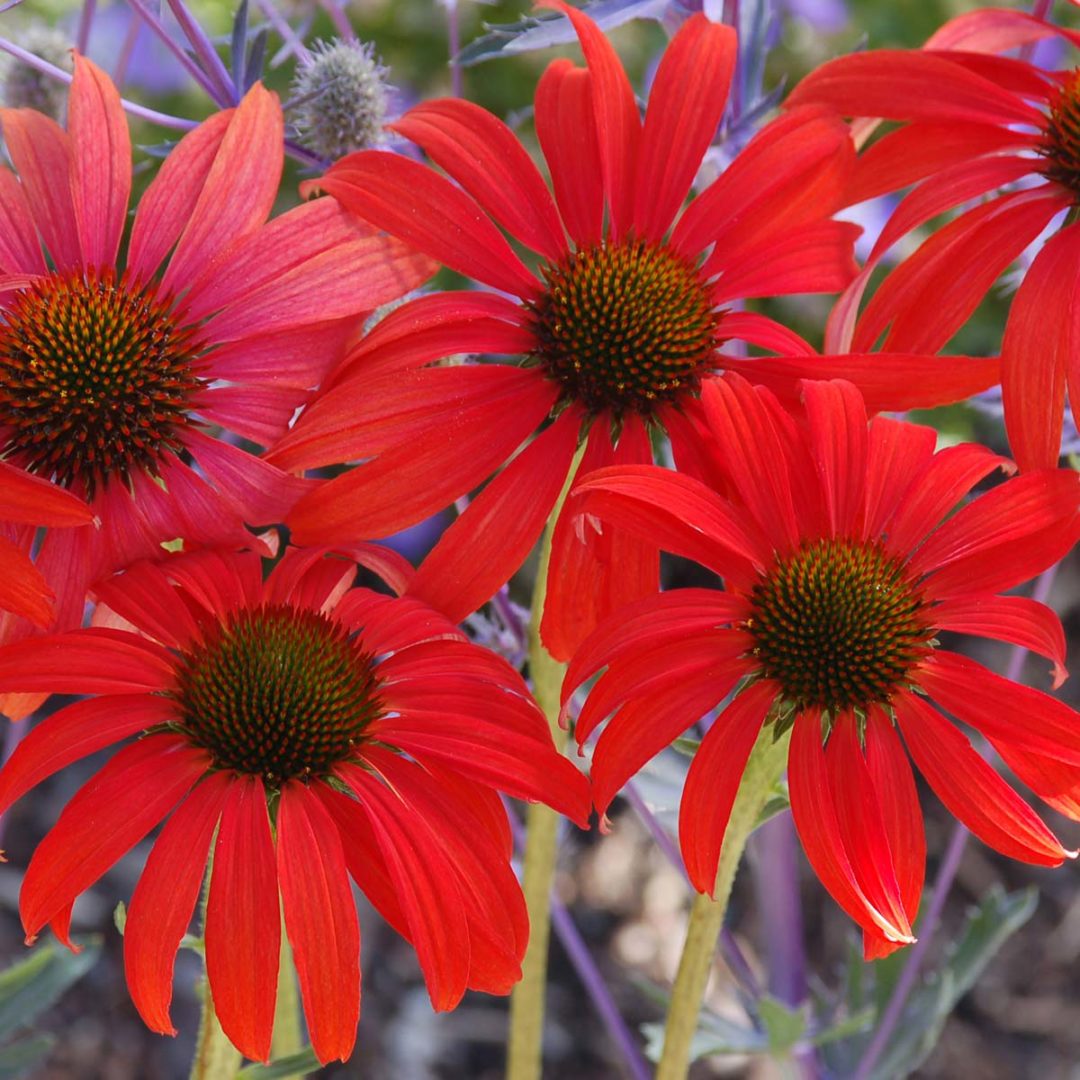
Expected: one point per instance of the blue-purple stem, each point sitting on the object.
(212, 65)
(774, 860)
(86, 21)
(131, 37)
(293, 43)
(950, 864)
(567, 932)
(453, 35)
(337, 17)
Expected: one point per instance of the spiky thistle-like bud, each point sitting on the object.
(24, 87)
(340, 95)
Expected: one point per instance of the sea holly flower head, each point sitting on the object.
(974, 124)
(114, 376)
(323, 732)
(841, 568)
(614, 333)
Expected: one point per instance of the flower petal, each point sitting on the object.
(320, 918)
(101, 149)
(713, 781)
(243, 924)
(971, 790)
(105, 819)
(20, 248)
(23, 590)
(165, 898)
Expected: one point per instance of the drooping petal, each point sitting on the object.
(492, 538)
(101, 151)
(75, 732)
(901, 815)
(1014, 619)
(686, 102)
(593, 573)
(165, 897)
(566, 129)
(1000, 708)
(93, 661)
(144, 597)
(438, 218)
(320, 919)
(20, 248)
(22, 588)
(1038, 352)
(618, 125)
(106, 818)
(29, 500)
(814, 808)
(426, 886)
(971, 790)
(243, 924)
(713, 781)
(992, 30)
(483, 155)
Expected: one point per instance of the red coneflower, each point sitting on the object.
(840, 569)
(110, 375)
(976, 122)
(618, 327)
(323, 731)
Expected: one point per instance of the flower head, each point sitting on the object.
(341, 99)
(841, 567)
(974, 124)
(115, 377)
(611, 336)
(24, 87)
(323, 731)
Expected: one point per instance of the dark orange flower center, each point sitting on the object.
(624, 327)
(1060, 144)
(95, 379)
(838, 625)
(277, 692)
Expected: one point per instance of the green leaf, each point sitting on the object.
(714, 1035)
(29, 987)
(776, 803)
(17, 1057)
(842, 1029)
(784, 1026)
(685, 745)
(293, 1065)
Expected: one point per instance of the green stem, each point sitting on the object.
(524, 1049)
(764, 768)
(287, 1040)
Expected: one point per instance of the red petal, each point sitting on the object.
(836, 417)
(238, 192)
(999, 708)
(618, 125)
(437, 218)
(298, 358)
(168, 203)
(754, 457)
(929, 296)
(1042, 339)
(75, 732)
(43, 157)
(1055, 782)
(677, 513)
(566, 128)
(815, 810)
(388, 624)
(101, 148)
(1010, 513)
(492, 538)
(320, 918)
(713, 781)
(590, 573)
(165, 897)
(95, 661)
(29, 500)
(651, 622)
(686, 103)
(897, 452)
(106, 818)
(901, 815)
(1014, 619)
(992, 31)
(971, 790)
(20, 248)
(243, 924)
(912, 85)
(22, 588)
(946, 479)
(762, 331)
(483, 155)
(426, 886)
(863, 831)
(144, 597)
